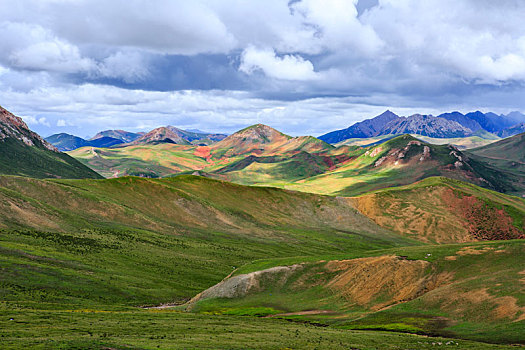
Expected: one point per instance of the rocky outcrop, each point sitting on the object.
(14, 127)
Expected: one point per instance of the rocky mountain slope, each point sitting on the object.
(23, 152)
(446, 125)
(425, 125)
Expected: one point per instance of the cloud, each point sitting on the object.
(32, 47)
(221, 64)
(130, 66)
(36, 121)
(163, 26)
(86, 109)
(481, 41)
(288, 67)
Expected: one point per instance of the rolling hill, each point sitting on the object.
(401, 161)
(92, 252)
(159, 240)
(261, 155)
(441, 210)
(261, 139)
(23, 152)
(286, 158)
(508, 157)
(468, 291)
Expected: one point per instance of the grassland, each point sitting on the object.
(134, 241)
(80, 258)
(168, 329)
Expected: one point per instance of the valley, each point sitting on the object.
(399, 243)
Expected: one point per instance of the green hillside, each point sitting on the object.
(401, 161)
(17, 158)
(470, 291)
(508, 157)
(133, 241)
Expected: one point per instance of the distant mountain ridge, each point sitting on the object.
(66, 142)
(172, 134)
(446, 125)
(23, 152)
(108, 138)
(425, 125)
(124, 136)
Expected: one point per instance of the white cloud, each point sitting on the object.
(30, 120)
(130, 66)
(288, 67)
(90, 108)
(32, 47)
(476, 40)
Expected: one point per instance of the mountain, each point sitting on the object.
(491, 122)
(253, 153)
(513, 130)
(364, 129)
(125, 136)
(261, 155)
(25, 153)
(163, 134)
(446, 125)
(66, 142)
(172, 134)
(465, 121)
(104, 141)
(425, 125)
(261, 139)
(516, 117)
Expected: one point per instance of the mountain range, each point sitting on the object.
(108, 138)
(447, 125)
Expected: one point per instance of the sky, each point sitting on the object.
(305, 67)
